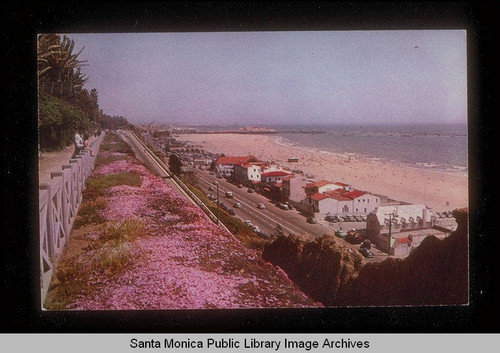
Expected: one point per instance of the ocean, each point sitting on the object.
(440, 147)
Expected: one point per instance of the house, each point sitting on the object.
(248, 172)
(403, 243)
(274, 176)
(320, 187)
(342, 200)
(225, 165)
(384, 224)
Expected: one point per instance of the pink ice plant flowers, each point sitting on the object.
(185, 261)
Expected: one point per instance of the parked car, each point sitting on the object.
(283, 206)
(231, 211)
(248, 223)
(366, 244)
(311, 220)
(237, 205)
(240, 186)
(211, 188)
(261, 206)
(340, 234)
(249, 190)
(354, 237)
(229, 194)
(290, 206)
(366, 252)
(330, 219)
(255, 229)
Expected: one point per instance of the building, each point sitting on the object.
(340, 200)
(403, 243)
(385, 223)
(272, 177)
(248, 172)
(322, 186)
(225, 165)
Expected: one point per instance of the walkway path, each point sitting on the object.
(49, 162)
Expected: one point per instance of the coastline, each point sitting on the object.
(440, 191)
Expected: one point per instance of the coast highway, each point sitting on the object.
(291, 221)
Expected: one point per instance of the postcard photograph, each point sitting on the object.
(253, 169)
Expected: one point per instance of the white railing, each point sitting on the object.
(59, 201)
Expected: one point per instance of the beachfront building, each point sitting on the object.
(272, 177)
(322, 186)
(248, 172)
(225, 166)
(386, 224)
(341, 202)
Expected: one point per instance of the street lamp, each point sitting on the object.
(217, 184)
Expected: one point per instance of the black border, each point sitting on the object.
(19, 244)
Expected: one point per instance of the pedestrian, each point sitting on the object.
(87, 145)
(78, 141)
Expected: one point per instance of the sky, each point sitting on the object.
(284, 77)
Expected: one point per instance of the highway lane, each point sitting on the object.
(266, 219)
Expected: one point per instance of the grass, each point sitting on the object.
(124, 231)
(89, 212)
(107, 256)
(96, 186)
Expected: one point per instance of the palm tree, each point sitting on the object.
(58, 66)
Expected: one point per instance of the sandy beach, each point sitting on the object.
(439, 191)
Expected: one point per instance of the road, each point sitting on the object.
(265, 219)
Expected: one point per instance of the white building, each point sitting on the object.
(248, 172)
(225, 165)
(384, 224)
(340, 202)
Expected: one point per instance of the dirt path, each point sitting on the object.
(49, 162)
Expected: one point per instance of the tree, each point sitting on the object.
(175, 165)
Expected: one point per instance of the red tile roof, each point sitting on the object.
(337, 196)
(340, 184)
(234, 160)
(354, 194)
(318, 184)
(403, 240)
(318, 197)
(275, 173)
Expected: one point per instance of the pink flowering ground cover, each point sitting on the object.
(178, 259)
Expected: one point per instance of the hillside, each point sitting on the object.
(137, 244)
(436, 273)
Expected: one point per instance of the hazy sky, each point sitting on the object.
(279, 77)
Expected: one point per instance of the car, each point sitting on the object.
(248, 223)
(230, 211)
(366, 244)
(250, 191)
(340, 234)
(353, 237)
(237, 205)
(290, 206)
(229, 194)
(330, 219)
(261, 206)
(255, 229)
(284, 207)
(211, 188)
(311, 220)
(366, 252)
(240, 186)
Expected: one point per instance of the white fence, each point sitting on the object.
(59, 201)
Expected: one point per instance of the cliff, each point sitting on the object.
(435, 273)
